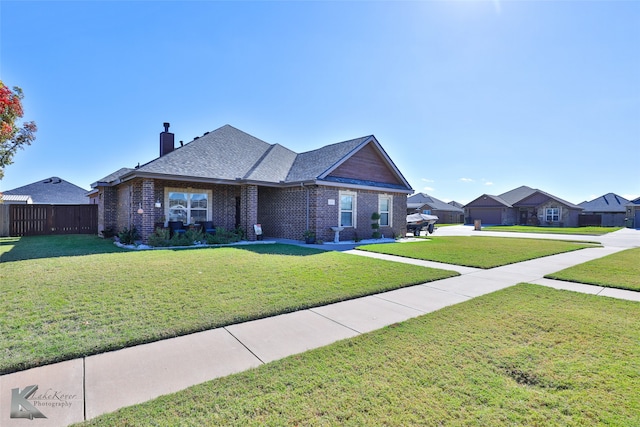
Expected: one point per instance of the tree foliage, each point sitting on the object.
(12, 135)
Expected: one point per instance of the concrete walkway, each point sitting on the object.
(81, 389)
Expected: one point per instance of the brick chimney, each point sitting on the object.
(166, 140)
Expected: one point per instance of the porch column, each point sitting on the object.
(249, 209)
(148, 217)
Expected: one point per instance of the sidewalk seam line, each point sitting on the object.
(243, 344)
(335, 321)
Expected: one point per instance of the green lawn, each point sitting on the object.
(526, 355)
(55, 307)
(481, 252)
(619, 270)
(589, 231)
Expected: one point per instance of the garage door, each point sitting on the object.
(487, 216)
(636, 223)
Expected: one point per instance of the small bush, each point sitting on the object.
(160, 237)
(224, 236)
(128, 236)
(194, 235)
(179, 239)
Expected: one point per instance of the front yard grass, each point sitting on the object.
(61, 307)
(480, 252)
(526, 355)
(620, 270)
(589, 231)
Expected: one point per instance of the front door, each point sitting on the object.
(524, 217)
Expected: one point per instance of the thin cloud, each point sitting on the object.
(427, 189)
(427, 180)
(466, 180)
(488, 183)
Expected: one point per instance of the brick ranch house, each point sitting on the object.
(523, 206)
(236, 180)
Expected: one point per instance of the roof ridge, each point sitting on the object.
(259, 161)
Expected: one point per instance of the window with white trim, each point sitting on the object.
(385, 204)
(347, 213)
(552, 214)
(188, 206)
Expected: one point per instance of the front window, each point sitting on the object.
(552, 214)
(384, 208)
(347, 209)
(188, 207)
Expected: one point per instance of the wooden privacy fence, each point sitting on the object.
(32, 220)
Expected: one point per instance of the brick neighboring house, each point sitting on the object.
(608, 210)
(632, 218)
(236, 180)
(447, 213)
(48, 191)
(523, 206)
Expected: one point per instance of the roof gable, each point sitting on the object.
(366, 164)
(489, 201)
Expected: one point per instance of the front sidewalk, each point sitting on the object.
(106, 382)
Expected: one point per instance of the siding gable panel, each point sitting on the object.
(366, 165)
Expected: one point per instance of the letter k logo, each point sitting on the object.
(21, 407)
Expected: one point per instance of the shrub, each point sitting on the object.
(224, 236)
(194, 235)
(179, 239)
(129, 236)
(160, 237)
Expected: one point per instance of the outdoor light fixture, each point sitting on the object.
(140, 210)
(158, 204)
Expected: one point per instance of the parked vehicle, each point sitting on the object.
(417, 222)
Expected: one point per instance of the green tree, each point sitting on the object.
(12, 135)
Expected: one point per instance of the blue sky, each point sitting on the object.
(467, 97)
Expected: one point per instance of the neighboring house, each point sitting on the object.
(633, 214)
(15, 199)
(49, 191)
(605, 211)
(524, 206)
(425, 204)
(236, 180)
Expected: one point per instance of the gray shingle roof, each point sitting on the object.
(609, 202)
(228, 154)
(225, 153)
(518, 194)
(420, 199)
(113, 176)
(52, 190)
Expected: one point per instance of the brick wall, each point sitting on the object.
(283, 212)
(289, 212)
(249, 209)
